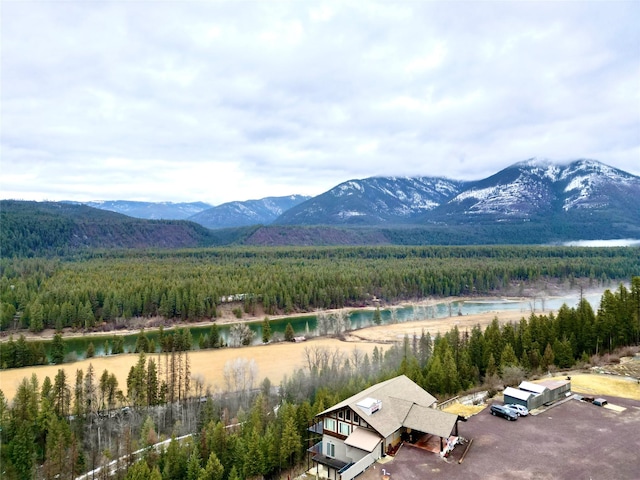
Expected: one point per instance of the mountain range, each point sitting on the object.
(524, 191)
(535, 201)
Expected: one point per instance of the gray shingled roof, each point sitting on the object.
(430, 420)
(399, 396)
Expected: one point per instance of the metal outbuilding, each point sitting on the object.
(517, 397)
(533, 395)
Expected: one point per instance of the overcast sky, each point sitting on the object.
(221, 101)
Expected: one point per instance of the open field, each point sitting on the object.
(396, 332)
(596, 384)
(274, 361)
(464, 410)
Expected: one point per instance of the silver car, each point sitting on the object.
(519, 409)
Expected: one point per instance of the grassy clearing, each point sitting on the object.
(594, 384)
(274, 362)
(464, 410)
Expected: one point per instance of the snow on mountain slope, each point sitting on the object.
(535, 187)
(373, 200)
(151, 210)
(250, 212)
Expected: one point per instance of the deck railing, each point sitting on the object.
(358, 467)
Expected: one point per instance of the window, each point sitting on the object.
(331, 450)
(345, 428)
(356, 418)
(330, 424)
(347, 415)
(340, 414)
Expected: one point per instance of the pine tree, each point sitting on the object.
(139, 471)
(193, 465)
(152, 383)
(253, 463)
(61, 394)
(377, 318)
(492, 369)
(547, 358)
(214, 470)
(117, 345)
(148, 435)
(266, 330)
(289, 334)
(290, 441)
(233, 474)
(508, 357)
(214, 337)
(434, 379)
(451, 382)
(57, 462)
(57, 349)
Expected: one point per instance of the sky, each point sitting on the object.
(218, 101)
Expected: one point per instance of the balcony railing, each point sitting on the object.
(357, 468)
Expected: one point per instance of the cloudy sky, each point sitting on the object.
(219, 101)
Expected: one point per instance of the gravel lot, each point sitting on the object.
(572, 440)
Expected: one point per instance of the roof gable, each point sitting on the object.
(515, 393)
(398, 395)
(532, 387)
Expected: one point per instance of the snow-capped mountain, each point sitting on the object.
(540, 188)
(151, 210)
(250, 212)
(373, 201)
(535, 189)
(536, 201)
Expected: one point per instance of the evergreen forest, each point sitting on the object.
(65, 426)
(247, 428)
(104, 289)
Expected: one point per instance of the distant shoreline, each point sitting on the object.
(228, 318)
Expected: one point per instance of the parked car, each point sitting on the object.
(504, 412)
(521, 410)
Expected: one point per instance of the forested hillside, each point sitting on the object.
(98, 290)
(49, 228)
(54, 229)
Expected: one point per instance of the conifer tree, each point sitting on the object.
(266, 330)
(377, 318)
(57, 349)
(289, 334)
(214, 470)
(290, 441)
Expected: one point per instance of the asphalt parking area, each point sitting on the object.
(572, 440)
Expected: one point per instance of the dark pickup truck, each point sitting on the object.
(504, 412)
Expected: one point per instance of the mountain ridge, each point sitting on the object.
(529, 202)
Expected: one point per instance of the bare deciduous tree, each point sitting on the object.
(240, 376)
(323, 323)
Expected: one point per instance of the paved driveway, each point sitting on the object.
(573, 440)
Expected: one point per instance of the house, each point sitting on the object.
(365, 427)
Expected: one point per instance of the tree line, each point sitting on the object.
(458, 360)
(102, 291)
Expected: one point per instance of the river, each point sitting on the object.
(306, 325)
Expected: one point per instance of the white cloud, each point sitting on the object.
(221, 101)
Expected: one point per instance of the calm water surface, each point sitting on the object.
(306, 325)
